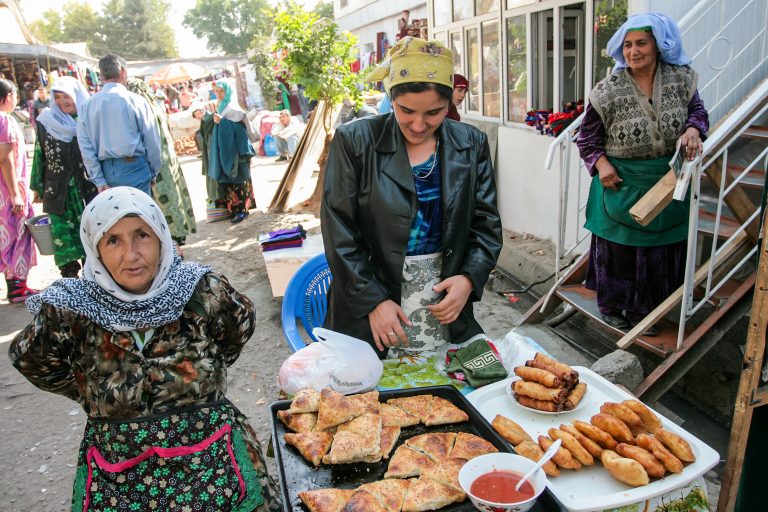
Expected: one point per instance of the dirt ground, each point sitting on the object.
(41, 431)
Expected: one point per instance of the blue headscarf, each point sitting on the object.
(665, 31)
(60, 125)
(224, 84)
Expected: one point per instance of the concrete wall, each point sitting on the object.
(365, 19)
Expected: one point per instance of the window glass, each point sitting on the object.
(491, 69)
(517, 3)
(486, 6)
(543, 54)
(609, 15)
(442, 12)
(463, 9)
(456, 48)
(517, 73)
(473, 71)
(572, 56)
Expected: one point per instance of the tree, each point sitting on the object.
(263, 64)
(317, 56)
(230, 25)
(137, 29)
(324, 10)
(48, 29)
(79, 23)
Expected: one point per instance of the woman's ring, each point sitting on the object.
(391, 333)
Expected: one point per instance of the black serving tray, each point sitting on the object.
(297, 475)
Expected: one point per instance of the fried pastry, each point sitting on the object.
(426, 494)
(303, 422)
(305, 400)
(326, 500)
(543, 377)
(390, 492)
(406, 463)
(368, 427)
(574, 397)
(389, 436)
(625, 414)
(566, 372)
(392, 416)
(446, 473)
(563, 457)
(368, 401)
(311, 445)
(676, 444)
(468, 446)
(614, 426)
(531, 450)
(579, 452)
(417, 405)
(540, 405)
(592, 447)
(435, 445)
(443, 412)
(651, 464)
(623, 469)
(653, 445)
(363, 501)
(651, 422)
(599, 436)
(348, 448)
(335, 408)
(539, 392)
(510, 430)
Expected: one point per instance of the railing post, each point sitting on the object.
(690, 257)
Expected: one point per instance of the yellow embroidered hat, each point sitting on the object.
(415, 60)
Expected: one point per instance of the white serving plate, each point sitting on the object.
(511, 395)
(592, 487)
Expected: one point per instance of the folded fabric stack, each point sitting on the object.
(283, 238)
(478, 364)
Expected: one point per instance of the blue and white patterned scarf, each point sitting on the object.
(97, 296)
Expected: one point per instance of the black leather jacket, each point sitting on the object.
(369, 202)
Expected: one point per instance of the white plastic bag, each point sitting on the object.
(515, 349)
(346, 364)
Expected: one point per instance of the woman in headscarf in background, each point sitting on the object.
(143, 343)
(229, 151)
(170, 189)
(634, 121)
(59, 177)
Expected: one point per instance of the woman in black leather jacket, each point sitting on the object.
(409, 217)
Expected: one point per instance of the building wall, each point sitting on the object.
(364, 18)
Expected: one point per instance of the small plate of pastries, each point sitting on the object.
(616, 451)
(546, 386)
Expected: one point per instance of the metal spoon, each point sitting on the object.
(543, 460)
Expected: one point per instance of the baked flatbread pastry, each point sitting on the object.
(305, 400)
(446, 473)
(363, 501)
(390, 492)
(426, 494)
(443, 412)
(326, 500)
(406, 463)
(389, 437)
(367, 426)
(335, 408)
(392, 416)
(303, 422)
(418, 405)
(368, 401)
(311, 445)
(468, 446)
(347, 448)
(436, 445)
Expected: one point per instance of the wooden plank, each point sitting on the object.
(748, 384)
(549, 302)
(737, 200)
(655, 200)
(740, 246)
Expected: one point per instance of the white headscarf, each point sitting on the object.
(98, 296)
(60, 125)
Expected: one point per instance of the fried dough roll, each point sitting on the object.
(541, 405)
(531, 450)
(625, 414)
(538, 375)
(652, 466)
(651, 422)
(510, 430)
(592, 447)
(676, 444)
(596, 434)
(562, 367)
(565, 376)
(563, 458)
(575, 396)
(623, 469)
(614, 426)
(653, 445)
(539, 392)
(579, 452)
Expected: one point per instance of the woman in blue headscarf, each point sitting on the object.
(59, 177)
(230, 152)
(633, 124)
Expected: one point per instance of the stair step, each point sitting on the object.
(728, 225)
(754, 178)
(757, 132)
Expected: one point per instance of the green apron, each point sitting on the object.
(608, 210)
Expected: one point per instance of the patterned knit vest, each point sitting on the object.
(636, 128)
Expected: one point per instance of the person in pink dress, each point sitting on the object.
(17, 250)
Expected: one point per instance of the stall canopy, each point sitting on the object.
(177, 72)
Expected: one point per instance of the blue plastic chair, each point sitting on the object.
(306, 297)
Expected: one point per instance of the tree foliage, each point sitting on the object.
(230, 25)
(134, 29)
(263, 64)
(324, 9)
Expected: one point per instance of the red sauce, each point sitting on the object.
(499, 487)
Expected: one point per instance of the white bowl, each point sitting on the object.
(505, 462)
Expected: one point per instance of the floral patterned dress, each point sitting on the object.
(161, 434)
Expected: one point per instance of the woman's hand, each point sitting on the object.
(36, 197)
(216, 118)
(457, 290)
(386, 321)
(609, 177)
(17, 201)
(691, 141)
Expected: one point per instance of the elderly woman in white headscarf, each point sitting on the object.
(59, 175)
(142, 342)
